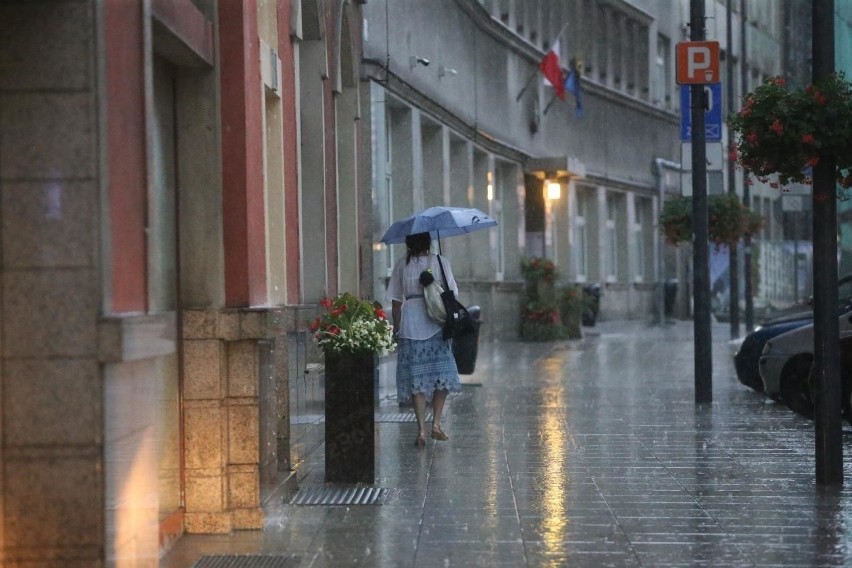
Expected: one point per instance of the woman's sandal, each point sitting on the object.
(438, 434)
(420, 441)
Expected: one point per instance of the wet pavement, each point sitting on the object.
(581, 453)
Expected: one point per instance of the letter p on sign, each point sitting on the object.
(697, 62)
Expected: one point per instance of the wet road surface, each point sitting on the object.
(582, 453)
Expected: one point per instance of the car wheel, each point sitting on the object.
(797, 386)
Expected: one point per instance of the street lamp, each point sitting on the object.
(553, 190)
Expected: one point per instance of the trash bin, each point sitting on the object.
(591, 303)
(465, 348)
(671, 294)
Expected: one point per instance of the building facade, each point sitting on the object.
(477, 127)
(468, 121)
(181, 181)
(174, 176)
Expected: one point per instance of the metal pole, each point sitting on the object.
(747, 277)
(826, 369)
(733, 257)
(796, 259)
(701, 247)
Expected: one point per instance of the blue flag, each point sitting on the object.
(572, 85)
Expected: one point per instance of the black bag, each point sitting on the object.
(459, 321)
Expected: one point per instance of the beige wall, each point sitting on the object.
(53, 484)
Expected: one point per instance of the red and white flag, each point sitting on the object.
(552, 71)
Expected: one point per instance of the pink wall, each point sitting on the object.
(242, 155)
(291, 163)
(125, 78)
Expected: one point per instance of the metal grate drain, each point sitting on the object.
(342, 496)
(400, 417)
(248, 561)
(380, 417)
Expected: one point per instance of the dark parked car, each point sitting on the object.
(747, 354)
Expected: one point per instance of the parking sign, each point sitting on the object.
(697, 62)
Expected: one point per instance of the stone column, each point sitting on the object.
(222, 413)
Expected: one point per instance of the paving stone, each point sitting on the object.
(583, 453)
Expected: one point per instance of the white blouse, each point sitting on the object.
(404, 286)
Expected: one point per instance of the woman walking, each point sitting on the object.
(426, 370)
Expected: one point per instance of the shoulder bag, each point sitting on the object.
(458, 321)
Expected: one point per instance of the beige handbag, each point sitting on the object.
(432, 295)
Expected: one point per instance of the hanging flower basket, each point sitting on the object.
(729, 220)
(785, 132)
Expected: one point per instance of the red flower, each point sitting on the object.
(325, 302)
(333, 330)
(338, 310)
(812, 161)
(380, 313)
(751, 138)
(809, 89)
(822, 100)
(732, 154)
(315, 325)
(777, 127)
(808, 139)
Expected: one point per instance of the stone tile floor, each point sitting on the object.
(583, 453)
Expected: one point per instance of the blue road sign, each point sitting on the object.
(712, 117)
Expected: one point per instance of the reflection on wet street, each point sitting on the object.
(585, 453)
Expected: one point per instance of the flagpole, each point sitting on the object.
(553, 98)
(527, 84)
(534, 73)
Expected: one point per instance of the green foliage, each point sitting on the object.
(676, 220)
(786, 132)
(540, 316)
(541, 321)
(729, 220)
(534, 269)
(351, 325)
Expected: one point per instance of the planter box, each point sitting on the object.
(350, 430)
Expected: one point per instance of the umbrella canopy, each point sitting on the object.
(438, 222)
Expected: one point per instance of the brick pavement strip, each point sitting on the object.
(583, 453)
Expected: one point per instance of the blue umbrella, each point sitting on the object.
(438, 222)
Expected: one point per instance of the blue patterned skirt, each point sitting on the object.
(424, 366)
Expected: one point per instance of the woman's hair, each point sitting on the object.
(416, 244)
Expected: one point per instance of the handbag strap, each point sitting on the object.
(444, 274)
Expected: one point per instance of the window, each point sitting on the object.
(603, 62)
(580, 260)
(639, 238)
(388, 197)
(661, 96)
(506, 174)
(611, 238)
